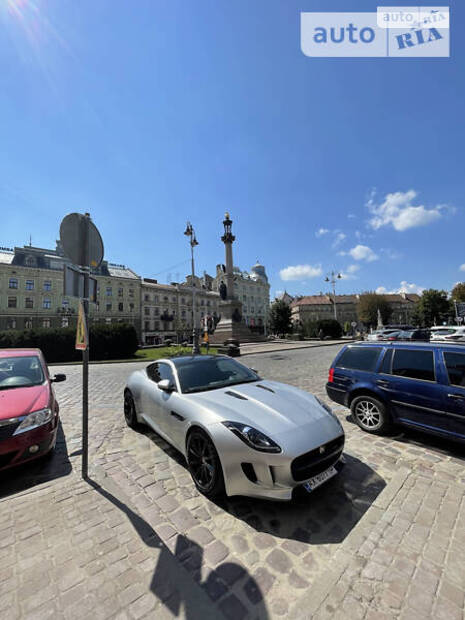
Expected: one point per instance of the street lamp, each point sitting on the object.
(189, 232)
(333, 277)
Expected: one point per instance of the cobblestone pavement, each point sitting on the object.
(139, 541)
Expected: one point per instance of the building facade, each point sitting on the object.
(31, 291)
(317, 307)
(31, 296)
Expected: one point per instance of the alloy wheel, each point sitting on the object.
(368, 414)
(201, 459)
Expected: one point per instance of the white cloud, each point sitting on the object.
(321, 232)
(278, 294)
(300, 272)
(353, 268)
(462, 267)
(397, 210)
(405, 287)
(361, 252)
(352, 216)
(340, 236)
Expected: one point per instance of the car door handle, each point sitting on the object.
(382, 383)
(457, 396)
(177, 416)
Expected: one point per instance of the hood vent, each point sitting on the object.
(236, 395)
(264, 387)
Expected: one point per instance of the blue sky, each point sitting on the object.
(152, 112)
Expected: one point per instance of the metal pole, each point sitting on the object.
(195, 343)
(85, 359)
(334, 296)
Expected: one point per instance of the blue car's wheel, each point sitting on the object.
(370, 414)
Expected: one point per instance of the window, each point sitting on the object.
(11, 324)
(29, 285)
(359, 358)
(157, 325)
(65, 303)
(146, 297)
(147, 326)
(159, 371)
(120, 306)
(108, 307)
(131, 307)
(109, 291)
(46, 323)
(413, 364)
(155, 298)
(173, 299)
(65, 321)
(120, 292)
(131, 292)
(183, 300)
(12, 302)
(29, 302)
(157, 311)
(47, 285)
(47, 303)
(13, 283)
(147, 311)
(455, 364)
(28, 324)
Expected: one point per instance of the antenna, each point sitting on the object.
(30, 240)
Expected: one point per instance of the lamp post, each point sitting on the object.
(189, 232)
(333, 277)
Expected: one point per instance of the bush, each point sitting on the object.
(107, 341)
(330, 327)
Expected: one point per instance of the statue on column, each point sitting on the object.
(223, 291)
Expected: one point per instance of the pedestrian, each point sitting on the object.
(206, 340)
(321, 334)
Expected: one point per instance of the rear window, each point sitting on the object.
(359, 358)
(413, 364)
(455, 364)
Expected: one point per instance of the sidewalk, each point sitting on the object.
(252, 348)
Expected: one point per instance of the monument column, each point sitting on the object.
(228, 239)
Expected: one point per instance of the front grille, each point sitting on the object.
(5, 459)
(7, 430)
(314, 462)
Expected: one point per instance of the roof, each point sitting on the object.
(18, 352)
(180, 360)
(310, 300)
(409, 345)
(121, 272)
(402, 297)
(6, 258)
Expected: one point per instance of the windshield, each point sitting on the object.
(20, 372)
(200, 375)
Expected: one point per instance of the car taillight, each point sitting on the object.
(331, 375)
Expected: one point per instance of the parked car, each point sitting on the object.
(458, 335)
(438, 332)
(420, 385)
(381, 334)
(239, 433)
(415, 334)
(28, 407)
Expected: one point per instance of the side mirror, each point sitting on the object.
(58, 378)
(165, 385)
(254, 370)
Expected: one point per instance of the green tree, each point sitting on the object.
(280, 318)
(368, 306)
(434, 307)
(458, 292)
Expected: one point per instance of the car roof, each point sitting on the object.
(181, 360)
(408, 345)
(19, 352)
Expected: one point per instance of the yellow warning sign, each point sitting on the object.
(81, 331)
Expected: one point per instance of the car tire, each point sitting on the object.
(130, 415)
(204, 464)
(371, 414)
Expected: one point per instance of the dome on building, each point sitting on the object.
(257, 272)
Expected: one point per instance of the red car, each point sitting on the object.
(28, 407)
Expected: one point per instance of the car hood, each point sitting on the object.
(280, 410)
(20, 401)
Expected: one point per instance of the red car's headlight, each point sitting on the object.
(33, 420)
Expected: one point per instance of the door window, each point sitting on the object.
(359, 358)
(386, 365)
(455, 364)
(414, 364)
(166, 372)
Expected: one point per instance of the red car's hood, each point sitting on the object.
(21, 401)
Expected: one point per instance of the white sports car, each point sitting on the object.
(240, 434)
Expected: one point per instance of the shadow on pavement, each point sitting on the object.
(414, 437)
(167, 583)
(327, 515)
(52, 466)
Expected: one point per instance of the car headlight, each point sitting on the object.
(253, 438)
(33, 420)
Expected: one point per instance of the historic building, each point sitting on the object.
(317, 307)
(31, 291)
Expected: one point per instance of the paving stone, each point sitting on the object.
(216, 553)
(232, 608)
(279, 561)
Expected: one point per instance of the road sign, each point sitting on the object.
(81, 240)
(459, 319)
(354, 324)
(460, 309)
(82, 339)
(73, 283)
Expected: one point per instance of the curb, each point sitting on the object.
(309, 604)
(306, 346)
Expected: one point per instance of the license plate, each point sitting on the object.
(318, 480)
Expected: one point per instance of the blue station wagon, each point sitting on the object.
(420, 385)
